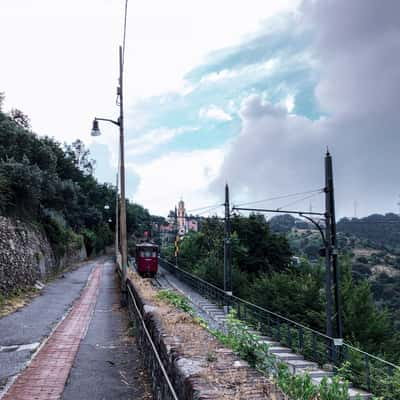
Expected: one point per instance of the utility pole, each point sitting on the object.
(124, 249)
(328, 256)
(333, 249)
(116, 223)
(227, 246)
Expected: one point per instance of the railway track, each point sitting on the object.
(216, 316)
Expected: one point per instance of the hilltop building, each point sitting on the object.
(178, 223)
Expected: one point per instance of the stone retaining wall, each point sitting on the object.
(186, 371)
(26, 256)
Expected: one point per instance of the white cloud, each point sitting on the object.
(60, 59)
(289, 102)
(164, 180)
(246, 72)
(357, 51)
(214, 113)
(147, 142)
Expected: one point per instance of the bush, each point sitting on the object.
(58, 235)
(89, 237)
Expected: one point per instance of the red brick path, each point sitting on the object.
(45, 377)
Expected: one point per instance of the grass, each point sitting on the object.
(175, 299)
(18, 299)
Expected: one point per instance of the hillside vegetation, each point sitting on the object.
(52, 186)
(263, 273)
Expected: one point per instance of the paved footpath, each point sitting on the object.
(82, 349)
(22, 331)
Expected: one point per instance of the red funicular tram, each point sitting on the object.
(147, 258)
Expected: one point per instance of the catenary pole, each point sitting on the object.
(124, 250)
(335, 267)
(328, 253)
(227, 246)
(116, 222)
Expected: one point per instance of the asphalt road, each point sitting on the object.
(108, 363)
(33, 323)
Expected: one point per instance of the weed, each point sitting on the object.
(176, 299)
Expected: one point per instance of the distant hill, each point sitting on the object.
(284, 223)
(372, 244)
(381, 229)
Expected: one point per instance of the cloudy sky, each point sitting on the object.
(250, 93)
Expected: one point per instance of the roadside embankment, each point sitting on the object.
(27, 256)
(198, 366)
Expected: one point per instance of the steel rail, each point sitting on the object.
(160, 363)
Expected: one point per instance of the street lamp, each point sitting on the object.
(95, 128)
(96, 132)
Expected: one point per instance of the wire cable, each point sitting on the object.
(124, 36)
(209, 210)
(202, 208)
(280, 197)
(297, 201)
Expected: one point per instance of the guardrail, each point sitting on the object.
(362, 369)
(161, 384)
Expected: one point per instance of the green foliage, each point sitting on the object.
(336, 389)
(41, 179)
(383, 229)
(57, 234)
(247, 345)
(89, 238)
(294, 294)
(175, 299)
(374, 329)
(297, 387)
(255, 250)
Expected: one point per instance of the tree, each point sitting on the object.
(364, 323)
(2, 97)
(294, 294)
(80, 156)
(20, 118)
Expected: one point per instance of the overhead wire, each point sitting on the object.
(124, 35)
(298, 201)
(280, 197)
(209, 210)
(202, 208)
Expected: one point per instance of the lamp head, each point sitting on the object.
(95, 128)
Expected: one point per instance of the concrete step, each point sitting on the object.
(315, 373)
(318, 379)
(288, 356)
(358, 393)
(278, 349)
(269, 342)
(295, 362)
(301, 365)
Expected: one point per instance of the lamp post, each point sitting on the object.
(96, 132)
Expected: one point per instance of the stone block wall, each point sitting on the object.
(26, 256)
(185, 372)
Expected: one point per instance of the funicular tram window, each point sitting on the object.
(147, 253)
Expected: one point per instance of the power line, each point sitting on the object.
(202, 208)
(298, 200)
(210, 209)
(280, 197)
(124, 36)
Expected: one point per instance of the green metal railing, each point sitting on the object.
(364, 370)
